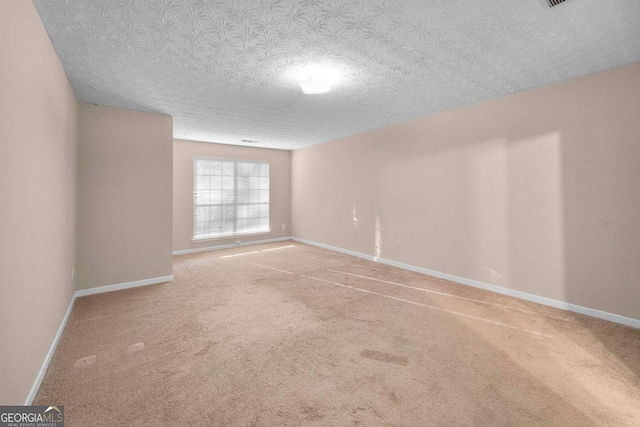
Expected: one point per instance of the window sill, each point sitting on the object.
(229, 237)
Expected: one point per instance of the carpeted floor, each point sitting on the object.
(292, 335)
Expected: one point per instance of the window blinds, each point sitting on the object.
(230, 198)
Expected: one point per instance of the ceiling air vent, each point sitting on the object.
(250, 141)
(553, 3)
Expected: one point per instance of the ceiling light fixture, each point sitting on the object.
(314, 79)
(314, 86)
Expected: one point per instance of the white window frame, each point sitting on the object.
(197, 235)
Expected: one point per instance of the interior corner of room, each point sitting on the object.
(532, 195)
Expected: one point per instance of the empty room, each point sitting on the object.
(320, 213)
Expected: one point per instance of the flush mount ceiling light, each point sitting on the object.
(315, 79)
(313, 87)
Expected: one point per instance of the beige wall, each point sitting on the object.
(124, 196)
(280, 198)
(537, 192)
(38, 140)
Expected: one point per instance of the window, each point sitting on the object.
(230, 198)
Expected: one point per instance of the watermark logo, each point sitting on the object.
(31, 416)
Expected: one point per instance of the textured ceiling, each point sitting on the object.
(226, 69)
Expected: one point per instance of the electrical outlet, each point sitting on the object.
(284, 226)
(399, 245)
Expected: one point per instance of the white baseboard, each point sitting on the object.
(469, 282)
(120, 286)
(616, 318)
(77, 294)
(47, 359)
(231, 245)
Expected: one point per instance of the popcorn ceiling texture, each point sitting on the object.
(223, 69)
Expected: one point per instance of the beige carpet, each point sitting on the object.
(291, 335)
